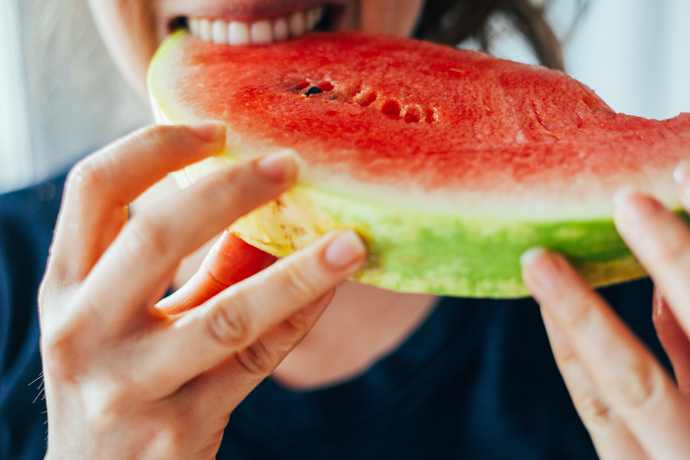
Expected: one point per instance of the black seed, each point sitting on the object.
(313, 91)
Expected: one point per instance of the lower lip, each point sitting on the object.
(262, 32)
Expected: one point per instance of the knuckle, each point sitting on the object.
(295, 328)
(228, 189)
(84, 177)
(297, 284)
(66, 331)
(147, 236)
(53, 292)
(673, 248)
(58, 355)
(578, 315)
(61, 351)
(594, 410)
(564, 354)
(105, 405)
(257, 359)
(172, 440)
(229, 327)
(634, 385)
(667, 241)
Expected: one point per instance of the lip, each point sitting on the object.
(241, 11)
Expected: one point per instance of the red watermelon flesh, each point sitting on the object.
(449, 163)
(405, 117)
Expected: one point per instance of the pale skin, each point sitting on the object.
(129, 378)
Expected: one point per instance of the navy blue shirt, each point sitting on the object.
(476, 380)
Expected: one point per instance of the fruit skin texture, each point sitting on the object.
(436, 249)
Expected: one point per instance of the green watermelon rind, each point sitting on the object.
(427, 252)
(432, 253)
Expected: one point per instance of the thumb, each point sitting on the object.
(229, 261)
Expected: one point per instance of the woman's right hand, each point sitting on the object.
(124, 379)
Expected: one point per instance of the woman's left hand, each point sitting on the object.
(631, 407)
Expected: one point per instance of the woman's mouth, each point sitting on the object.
(263, 31)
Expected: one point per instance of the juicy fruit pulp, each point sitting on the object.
(450, 163)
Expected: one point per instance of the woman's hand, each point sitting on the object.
(631, 407)
(126, 379)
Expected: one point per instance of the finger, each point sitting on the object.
(610, 436)
(661, 242)
(230, 261)
(154, 242)
(624, 371)
(100, 187)
(236, 318)
(224, 387)
(673, 339)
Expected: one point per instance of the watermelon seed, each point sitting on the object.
(313, 91)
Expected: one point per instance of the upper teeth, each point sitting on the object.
(258, 33)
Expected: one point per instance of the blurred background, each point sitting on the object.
(61, 97)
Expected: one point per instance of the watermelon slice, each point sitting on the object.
(449, 163)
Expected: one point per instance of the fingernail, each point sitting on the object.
(541, 268)
(682, 175)
(209, 132)
(279, 167)
(344, 249)
(632, 207)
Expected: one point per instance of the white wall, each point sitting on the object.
(16, 166)
(71, 98)
(635, 54)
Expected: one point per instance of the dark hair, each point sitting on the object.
(452, 21)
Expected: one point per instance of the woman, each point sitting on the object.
(381, 375)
